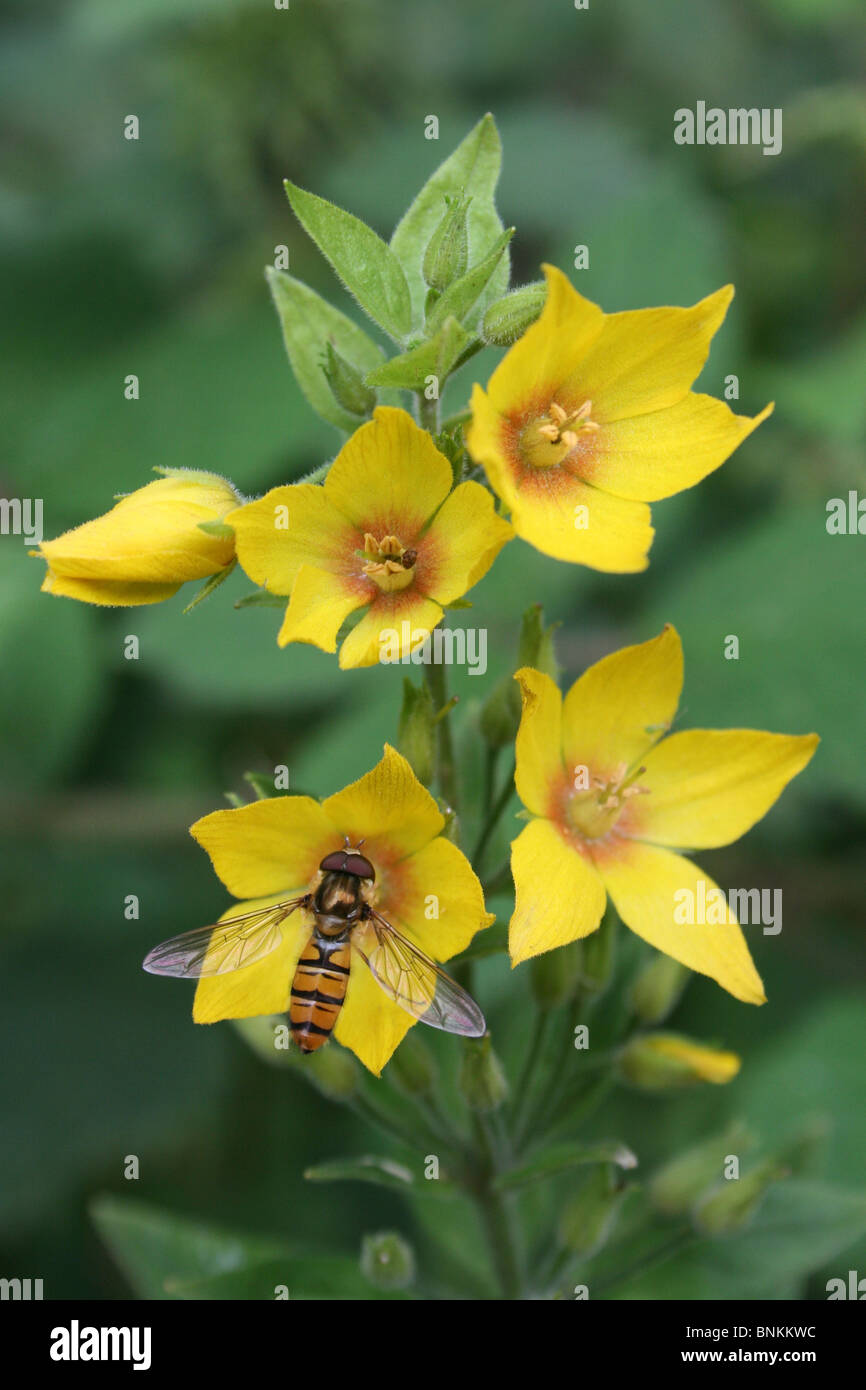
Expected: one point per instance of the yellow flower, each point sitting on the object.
(660, 1061)
(589, 417)
(271, 850)
(610, 799)
(385, 532)
(148, 545)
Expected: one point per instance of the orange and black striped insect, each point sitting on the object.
(338, 904)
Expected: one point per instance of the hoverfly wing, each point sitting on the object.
(225, 946)
(419, 985)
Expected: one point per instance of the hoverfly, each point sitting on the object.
(338, 905)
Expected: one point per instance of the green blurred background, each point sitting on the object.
(147, 257)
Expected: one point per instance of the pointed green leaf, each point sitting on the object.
(434, 358)
(460, 297)
(309, 322)
(305, 1277)
(381, 1172)
(365, 264)
(472, 168)
(220, 529)
(561, 1159)
(210, 584)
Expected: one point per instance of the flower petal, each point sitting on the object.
(388, 807)
(261, 988)
(389, 477)
(463, 541)
(370, 1023)
(320, 604)
(267, 847)
(618, 709)
(647, 359)
(437, 876)
(709, 786)
(644, 881)
(110, 593)
(549, 351)
(647, 457)
(568, 519)
(272, 553)
(538, 746)
(394, 624)
(559, 895)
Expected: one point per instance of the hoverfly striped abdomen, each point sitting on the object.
(318, 989)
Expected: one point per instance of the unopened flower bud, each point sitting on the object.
(588, 1217)
(665, 1061)
(347, 383)
(149, 544)
(416, 736)
(387, 1260)
(536, 643)
(555, 974)
(507, 319)
(447, 253)
(658, 988)
(500, 713)
(599, 949)
(732, 1204)
(332, 1070)
(413, 1066)
(677, 1186)
(481, 1080)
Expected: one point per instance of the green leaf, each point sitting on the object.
(473, 168)
(366, 265)
(381, 1172)
(562, 1158)
(309, 322)
(436, 358)
(155, 1249)
(459, 298)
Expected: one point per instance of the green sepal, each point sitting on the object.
(367, 266)
(260, 598)
(219, 529)
(409, 371)
(210, 584)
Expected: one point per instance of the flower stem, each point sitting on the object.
(495, 1215)
(493, 815)
(446, 772)
(523, 1089)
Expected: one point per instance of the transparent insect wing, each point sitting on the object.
(419, 985)
(226, 946)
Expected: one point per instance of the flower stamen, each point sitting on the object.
(388, 562)
(559, 432)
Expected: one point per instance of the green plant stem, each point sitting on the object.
(428, 412)
(446, 773)
(492, 818)
(523, 1089)
(495, 1214)
(372, 1114)
(551, 1092)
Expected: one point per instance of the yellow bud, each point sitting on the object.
(665, 1061)
(148, 545)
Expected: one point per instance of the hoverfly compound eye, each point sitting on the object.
(359, 865)
(334, 863)
(347, 861)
